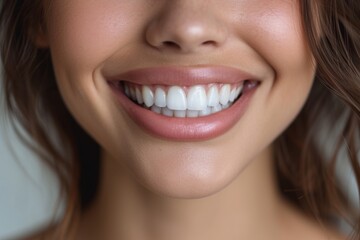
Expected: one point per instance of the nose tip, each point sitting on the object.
(186, 31)
(184, 39)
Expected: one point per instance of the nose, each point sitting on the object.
(186, 26)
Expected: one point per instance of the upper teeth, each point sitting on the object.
(176, 98)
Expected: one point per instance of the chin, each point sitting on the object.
(185, 171)
(185, 187)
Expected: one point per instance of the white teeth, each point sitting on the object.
(216, 109)
(167, 112)
(180, 113)
(239, 90)
(213, 96)
(160, 97)
(156, 109)
(224, 94)
(133, 93)
(232, 95)
(127, 90)
(175, 102)
(205, 112)
(148, 96)
(196, 98)
(188, 113)
(192, 113)
(139, 96)
(176, 98)
(226, 106)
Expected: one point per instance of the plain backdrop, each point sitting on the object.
(28, 191)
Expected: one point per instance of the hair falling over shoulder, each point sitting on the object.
(304, 161)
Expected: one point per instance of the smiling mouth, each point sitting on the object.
(185, 101)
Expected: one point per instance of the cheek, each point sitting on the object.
(275, 31)
(83, 34)
(279, 38)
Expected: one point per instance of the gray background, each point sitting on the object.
(28, 191)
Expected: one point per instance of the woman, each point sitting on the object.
(188, 119)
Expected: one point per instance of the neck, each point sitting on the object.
(124, 209)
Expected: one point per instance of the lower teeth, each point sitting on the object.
(187, 113)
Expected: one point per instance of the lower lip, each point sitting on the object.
(185, 129)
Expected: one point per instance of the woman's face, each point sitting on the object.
(185, 58)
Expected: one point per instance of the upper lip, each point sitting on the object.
(184, 76)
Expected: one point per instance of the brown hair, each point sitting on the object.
(331, 117)
(305, 167)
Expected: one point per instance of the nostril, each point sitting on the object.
(171, 44)
(175, 45)
(209, 43)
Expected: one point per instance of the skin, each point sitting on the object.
(151, 188)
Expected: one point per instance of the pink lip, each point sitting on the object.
(183, 76)
(183, 129)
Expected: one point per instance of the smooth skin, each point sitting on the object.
(155, 189)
